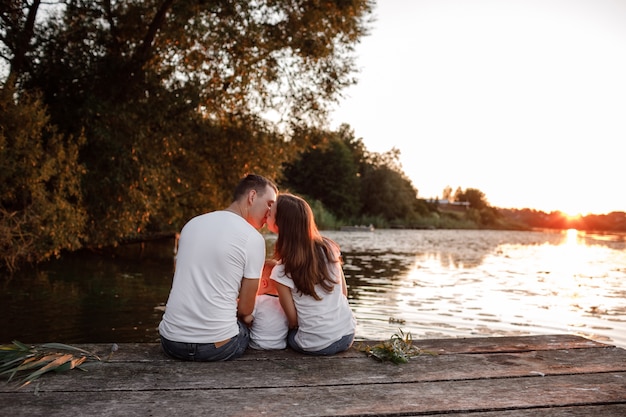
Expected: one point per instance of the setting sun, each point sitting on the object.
(572, 217)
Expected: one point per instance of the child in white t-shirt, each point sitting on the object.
(270, 326)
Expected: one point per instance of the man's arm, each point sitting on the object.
(247, 297)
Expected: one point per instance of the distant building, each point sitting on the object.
(447, 205)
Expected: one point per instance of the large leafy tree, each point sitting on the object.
(41, 211)
(480, 211)
(40, 200)
(475, 198)
(350, 181)
(174, 97)
(386, 191)
(326, 171)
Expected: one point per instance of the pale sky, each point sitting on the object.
(524, 100)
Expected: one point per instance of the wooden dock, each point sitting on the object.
(558, 375)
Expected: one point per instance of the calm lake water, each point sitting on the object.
(433, 284)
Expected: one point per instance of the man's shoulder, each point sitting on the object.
(221, 216)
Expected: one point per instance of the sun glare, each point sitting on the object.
(569, 216)
(572, 221)
(572, 237)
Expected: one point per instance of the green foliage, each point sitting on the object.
(324, 219)
(352, 183)
(227, 57)
(41, 210)
(476, 198)
(191, 171)
(398, 349)
(30, 362)
(388, 193)
(326, 172)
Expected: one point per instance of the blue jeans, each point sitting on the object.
(339, 346)
(207, 352)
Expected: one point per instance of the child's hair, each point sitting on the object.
(301, 248)
(266, 285)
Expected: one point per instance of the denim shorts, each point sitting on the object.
(338, 346)
(207, 352)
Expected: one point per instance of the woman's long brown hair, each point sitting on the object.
(301, 248)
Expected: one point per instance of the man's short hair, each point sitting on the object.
(252, 182)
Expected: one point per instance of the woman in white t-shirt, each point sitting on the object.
(310, 281)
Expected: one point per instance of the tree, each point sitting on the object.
(360, 154)
(40, 200)
(291, 58)
(387, 193)
(326, 172)
(350, 181)
(479, 211)
(447, 193)
(172, 96)
(476, 198)
(385, 189)
(17, 30)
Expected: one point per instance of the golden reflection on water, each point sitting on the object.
(486, 283)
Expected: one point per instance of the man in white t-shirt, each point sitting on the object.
(218, 265)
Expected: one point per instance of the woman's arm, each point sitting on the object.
(286, 302)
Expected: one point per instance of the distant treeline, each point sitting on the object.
(611, 222)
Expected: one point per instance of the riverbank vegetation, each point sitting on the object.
(122, 120)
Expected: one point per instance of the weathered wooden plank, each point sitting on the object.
(485, 395)
(499, 344)
(613, 410)
(296, 370)
(152, 351)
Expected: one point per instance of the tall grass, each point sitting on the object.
(30, 362)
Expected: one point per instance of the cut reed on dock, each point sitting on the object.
(547, 375)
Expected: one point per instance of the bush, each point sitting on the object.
(40, 198)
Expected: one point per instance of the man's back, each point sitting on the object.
(216, 250)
